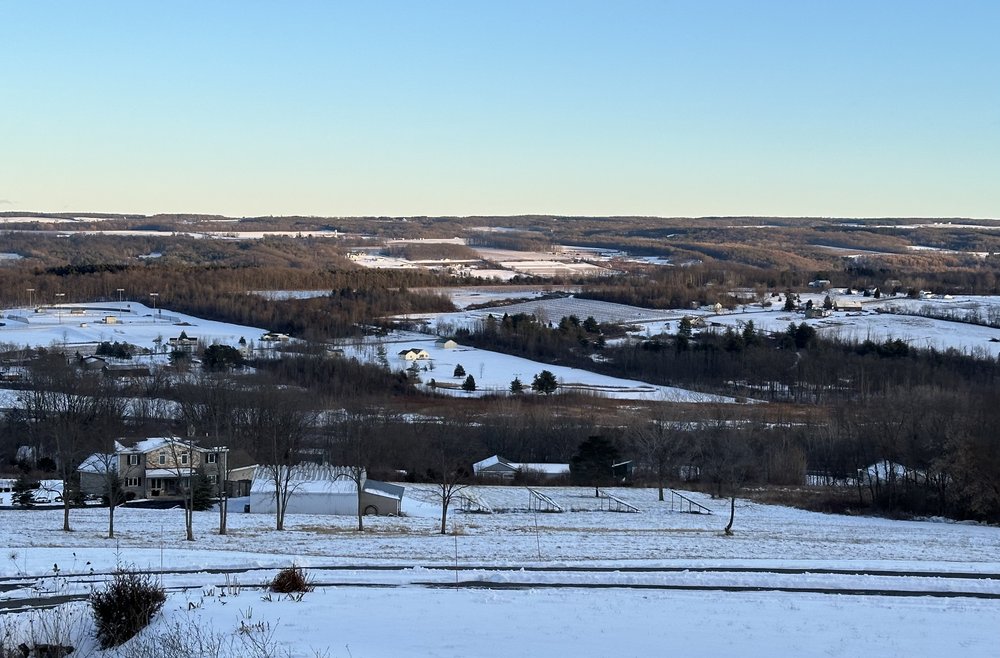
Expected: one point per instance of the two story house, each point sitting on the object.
(162, 467)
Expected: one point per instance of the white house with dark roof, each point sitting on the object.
(414, 354)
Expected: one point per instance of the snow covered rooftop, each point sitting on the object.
(307, 478)
(98, 463)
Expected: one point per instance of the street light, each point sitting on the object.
(121, 291)
(154, 295)
(58, 307)
(30, 294)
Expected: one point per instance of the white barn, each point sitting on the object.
(325, 489)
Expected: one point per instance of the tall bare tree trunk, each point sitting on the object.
(444, 514)
(732, 515)
(223, 511)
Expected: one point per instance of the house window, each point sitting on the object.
(184, 458)
(133, 482)
(213, 478)
(133, 460)
(162, 459)
(212, 457)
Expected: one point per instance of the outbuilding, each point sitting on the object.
(325, 489)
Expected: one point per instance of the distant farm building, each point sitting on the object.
(445, 343)
(846, 305)
(414, 354)
(496, 467)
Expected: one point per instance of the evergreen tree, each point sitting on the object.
(459, 371)
(221, 357)
(544, 382)
(516, 387)
(24, 491)
(469, 384)
(593, 461)
(202, 496)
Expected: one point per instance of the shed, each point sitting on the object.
(445, 344)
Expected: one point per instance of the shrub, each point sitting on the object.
(125, 606)
(291, 580)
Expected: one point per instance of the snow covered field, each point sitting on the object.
(920, 332)
(585, 583)
(86, 324)
(493, 371)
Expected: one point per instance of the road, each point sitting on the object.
(21, 593)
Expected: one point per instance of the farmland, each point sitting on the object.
(700, 353)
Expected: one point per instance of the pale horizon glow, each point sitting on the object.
(660, 108)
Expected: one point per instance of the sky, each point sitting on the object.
(846, 108)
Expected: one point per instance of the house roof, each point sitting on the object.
(377, 488)
(491, 461)
(98, 463)
(155, 443)
(143, 445)
(239, 458)
(307, 478)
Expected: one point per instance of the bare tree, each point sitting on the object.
(662, 443)
(448, 458)
(106, 465)
(356, 444)
(70, 412)
(183, 463)
(725, 459)
(209, 406)
(276, 422)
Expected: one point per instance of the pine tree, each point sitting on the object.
(544, 382)
(469, 384)
(203, 492)
(24, 491)
(459, 371)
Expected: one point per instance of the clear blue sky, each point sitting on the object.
(758, 107)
